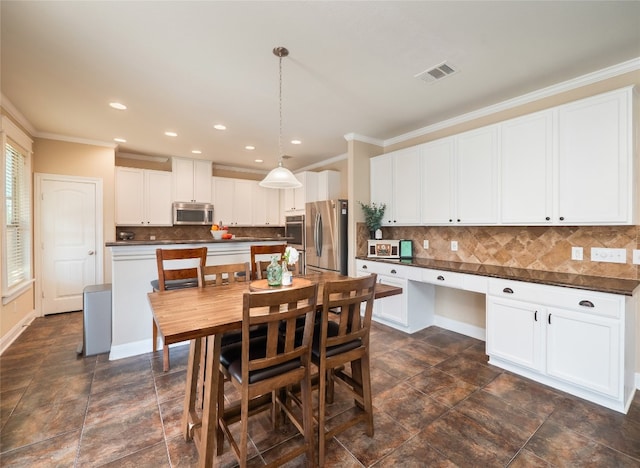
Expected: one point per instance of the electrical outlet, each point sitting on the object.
(152, 237)
(636, 256)
(454, 246)
(608, 255)
(425, 244)
(576, 253)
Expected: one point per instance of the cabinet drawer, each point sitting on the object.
(387, 269)
(443, 278)
(601, 304)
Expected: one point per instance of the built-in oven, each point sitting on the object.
(294, 231)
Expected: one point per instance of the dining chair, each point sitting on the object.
(271, 364)
(341, 340)
(177, 269)
(261, 251)
(218, 275)
(261, 269)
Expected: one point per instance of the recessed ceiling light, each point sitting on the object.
(118, 105)
(120, 140)
(258, 160)
(250, 147)
(196, 152)
(296, 142)
(219, 127)
(171, 134)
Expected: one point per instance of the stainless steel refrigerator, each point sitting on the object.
(326, 236)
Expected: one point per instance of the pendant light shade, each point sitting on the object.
(280, 177)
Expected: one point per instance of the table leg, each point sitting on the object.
(210, 410)
(189, 411)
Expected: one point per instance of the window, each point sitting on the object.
(16, 239)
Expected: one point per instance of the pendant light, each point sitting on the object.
(280, 177)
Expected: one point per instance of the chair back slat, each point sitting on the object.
(165, 258)
(224, 274)
(262, 251)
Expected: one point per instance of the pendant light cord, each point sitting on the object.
(280, 132)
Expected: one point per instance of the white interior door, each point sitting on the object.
(69, 241)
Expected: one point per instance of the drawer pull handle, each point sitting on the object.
(586, 303)
(364, 267)
(440, 278)
(549, 319)
(393, 271)
(535, 316)
(507, 290)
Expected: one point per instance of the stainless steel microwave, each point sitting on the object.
(192, 213)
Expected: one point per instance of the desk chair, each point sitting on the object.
(271, 364)
(184, 274)
(262, 251)
(336, 343)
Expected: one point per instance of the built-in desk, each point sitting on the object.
(573, 332)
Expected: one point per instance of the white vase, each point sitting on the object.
(287, 276)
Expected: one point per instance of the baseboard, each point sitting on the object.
(638, 380)
(135, 349)
(16, 331)
(460, 327)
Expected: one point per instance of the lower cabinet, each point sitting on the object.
(568, 339)
(393, 308)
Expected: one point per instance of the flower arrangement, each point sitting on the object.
(373, 214)
(291, 255)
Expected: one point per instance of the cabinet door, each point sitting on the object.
(514, 332)
(392, 308)
(382, 185)
(223, 200)
(526, 175)
(158, 197)
(584, 349)
(242, 203)
(272, 208)
(594, 160)
(202, 181)
(182, 170)
(406, 186)
(437, 192)
(129, 188)
(476, 176)
(328, 185)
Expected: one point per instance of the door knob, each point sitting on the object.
(91, 252)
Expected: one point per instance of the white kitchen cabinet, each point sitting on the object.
(595, 162)
(569, 339)
(295, 199)
(143, 197)
(477, 176)
(233, 201)
(266, 206)
(526, 176)
(191, 180)
(395, 181)
(328, 185)
(438, 182)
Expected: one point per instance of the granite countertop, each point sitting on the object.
(193, 241)
(570, 280)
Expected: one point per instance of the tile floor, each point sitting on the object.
(437, 403)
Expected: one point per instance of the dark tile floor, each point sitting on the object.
(437, 403)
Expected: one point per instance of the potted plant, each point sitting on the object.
(373, 214)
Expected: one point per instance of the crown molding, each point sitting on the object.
(82, 141)
(324, 162)
(364, 139)
(15, 114)
(589, 78)
(142, 157)
(223, 167)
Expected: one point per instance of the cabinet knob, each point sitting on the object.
(586, 303)
(549, 319)
(547, 218)
(507, 291)
(535, 316)
(364, 267)
(393, 271)
(440, 278)
(561, 218)
(451, 220)
(458, 219)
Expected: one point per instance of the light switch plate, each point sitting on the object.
(608, 255)
(636, 256)
(454, 246)
(425, 244)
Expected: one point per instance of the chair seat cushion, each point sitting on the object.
(231, 358)
(332, 330)
(175, 284)
(235, 336)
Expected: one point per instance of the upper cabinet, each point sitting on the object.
(328, 185)
(241, 202)
(143, 197)
(595, 163)
(395, 181)
(266, 206)
(295, 199)
(569, 165)
(191, 180)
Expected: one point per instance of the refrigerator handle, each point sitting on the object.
(319, 235)
(316, 235)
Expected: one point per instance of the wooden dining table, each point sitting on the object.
(202, 315)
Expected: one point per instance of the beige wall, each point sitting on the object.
(76, 159)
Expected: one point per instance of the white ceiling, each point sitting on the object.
(184, 66)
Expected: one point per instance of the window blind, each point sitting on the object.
(18, 213)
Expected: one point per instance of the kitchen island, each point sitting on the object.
(133, 265)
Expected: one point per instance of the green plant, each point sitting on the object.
(373, 214)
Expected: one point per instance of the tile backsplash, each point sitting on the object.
(545, 248)
(196, 232)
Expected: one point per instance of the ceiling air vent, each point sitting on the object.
(436, 73)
